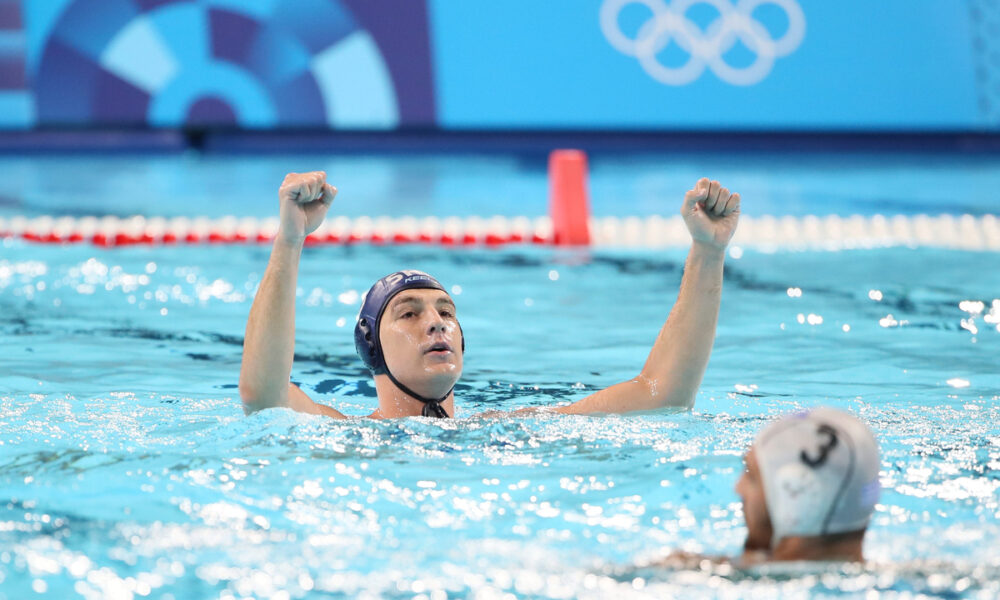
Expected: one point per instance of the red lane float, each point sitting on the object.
(110, 232)
(568, 202)
(569, 224)
(965, 232)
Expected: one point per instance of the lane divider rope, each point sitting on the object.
(965, 232)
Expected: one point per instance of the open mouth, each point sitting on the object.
(439, 348)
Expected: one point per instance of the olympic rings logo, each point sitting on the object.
(705, 48)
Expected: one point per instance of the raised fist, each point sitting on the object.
(304, 200)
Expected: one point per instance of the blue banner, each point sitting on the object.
(720, 64)
(345, 64)
(621, 65)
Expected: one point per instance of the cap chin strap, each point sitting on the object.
(432, 406)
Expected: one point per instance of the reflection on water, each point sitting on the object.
(128, 470)
(130, 495)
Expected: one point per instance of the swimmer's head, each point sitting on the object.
(407, 329)
(809, 474)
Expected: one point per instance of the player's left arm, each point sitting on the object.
(677, 362)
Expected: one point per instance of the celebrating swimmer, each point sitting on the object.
(408, 333)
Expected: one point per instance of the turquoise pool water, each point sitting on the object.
(216, 185)
(128, 470)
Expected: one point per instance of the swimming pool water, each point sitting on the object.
(621, 184)
(127, 468)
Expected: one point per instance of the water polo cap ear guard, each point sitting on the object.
(366, 338)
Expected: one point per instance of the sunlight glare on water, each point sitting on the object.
(128, 469)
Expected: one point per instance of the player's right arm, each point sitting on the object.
(269, 345)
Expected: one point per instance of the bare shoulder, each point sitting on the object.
(301, 402)
(328, 411)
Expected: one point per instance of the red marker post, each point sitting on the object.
(568, 203)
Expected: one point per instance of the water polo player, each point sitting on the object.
(409, 336)
(809, 488)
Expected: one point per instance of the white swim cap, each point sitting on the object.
(820, 473)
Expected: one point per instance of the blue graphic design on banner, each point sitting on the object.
(765, 65)
(17, 109)
(261, 64)
(705, 64)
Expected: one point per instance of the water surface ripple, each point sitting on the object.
(128, 470)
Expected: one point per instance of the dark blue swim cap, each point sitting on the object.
(366, 338)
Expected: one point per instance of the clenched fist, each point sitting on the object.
(304, 199)
(711, 213)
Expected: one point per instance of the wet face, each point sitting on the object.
(750, 488)
(421, 341)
